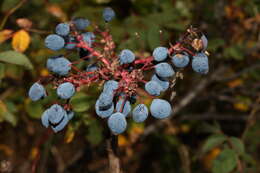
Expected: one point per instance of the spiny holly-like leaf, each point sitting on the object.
(213, 141)
(225, 162)
(237, 144)
(21, 40)
(17, 58)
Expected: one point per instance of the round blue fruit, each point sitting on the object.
(56, 114)
(204, 42)
(110, 86)
(180, 60)
(37, 92)
(153, 88)
(160, 53)
(200, 63)
(164, 70)
(54, 42)
(160, 108)
(164, 84)
(81, 23)
(108, 14)
(126, 56)
(117, 123)
(88, 37)
(104, 113)
(62, 29)
(105, 100)
(65, 90)
(140, 113)
(59, 65)
(126, 108)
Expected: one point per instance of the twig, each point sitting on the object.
(185, 158)
(114, 162)
(10, 12)
(185, 101)
(251, 118)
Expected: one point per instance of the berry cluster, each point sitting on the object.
(122, 74)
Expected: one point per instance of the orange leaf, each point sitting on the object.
(56, 11)
(5, 35)
(235, 83)
(241, 106)
(24, 23)
(21, 40)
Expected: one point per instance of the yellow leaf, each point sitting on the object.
(241, 106)
(34, 153)
(69, 135)
(21, 40)
(122, 141)
(209, 158)
(5, 35)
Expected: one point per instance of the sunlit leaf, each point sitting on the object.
(5, 35)
(21, 40)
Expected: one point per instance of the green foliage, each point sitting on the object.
(16, 58)
(213, 141)
(225, 162)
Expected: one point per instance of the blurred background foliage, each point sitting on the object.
(215, 128)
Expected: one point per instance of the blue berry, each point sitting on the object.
(108, 14)
(204, 42)
(70, 115)
(126, 56)
(162, 83)
(56, 117)
(200, 63)
(110, 86)
(153, 88)
(104, 113)
(61, 125)
(81, 23)
(66, 90)
(70, 42)
(140, 113)
(160, 108)
(105, 100)
(88, 37)
(180, 60)
(56, 114)
(164, 70)
(62, 29)
(126, 107)
(54, 42)
(37, 92)
(117, 123)
(59, 65)
(160, 53)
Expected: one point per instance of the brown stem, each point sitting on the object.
(10, 12)
(114, 161)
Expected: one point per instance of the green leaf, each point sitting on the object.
(94, 135)
(34, 109)
(225, 162)
(6, 115)
(213, 141)
(16, 58)
(80, 102)
(2, 70)
(153, 37)
(237, 144)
